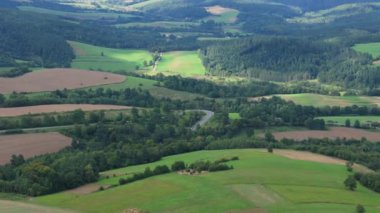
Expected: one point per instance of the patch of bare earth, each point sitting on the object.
(133, 210)
(218, 10)
(86, 189)
(376, 62)
(57, 79)
(333, 133)
(30, 145)
(17, 111)
(308, 156)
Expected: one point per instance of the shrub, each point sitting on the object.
(178, 165)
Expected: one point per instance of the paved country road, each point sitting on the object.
(204, 119)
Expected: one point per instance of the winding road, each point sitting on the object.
(204, 119)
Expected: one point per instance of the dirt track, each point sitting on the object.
(335, 132)
(17, 111)
(54, 79)
(30, 145)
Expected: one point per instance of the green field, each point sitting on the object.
(308, 99)
(341, 120)
(259, 180)
(370, 48)
(108, 59)
(234, 116)
(226, 18)
(184, 63)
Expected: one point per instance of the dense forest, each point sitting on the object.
(26, 41)
(289, 59)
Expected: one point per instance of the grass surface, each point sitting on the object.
(259, 180)
(108, 59)
(324, 100)
(370, 48)
(234, 116)
(341, 120)
(184, 63)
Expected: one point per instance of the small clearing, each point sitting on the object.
(30, 145)
(85, 189)
(308, 156)
(57, 79)
(376, 62)
(18, 111)
(218, 10)
(333, 133)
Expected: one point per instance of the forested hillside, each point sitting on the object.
(23, 36)
(286, 59)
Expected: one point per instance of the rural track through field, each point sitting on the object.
(204, 119)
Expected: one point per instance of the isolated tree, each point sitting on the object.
(270, 148)
(348, 123)
(357, 124)
(269, 137)
(349, 165)
(350, 183)
(360, 208)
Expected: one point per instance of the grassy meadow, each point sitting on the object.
(259, 181)
(184, 63)
(228, 17)
(108, 59)
(317, 100)
(234, 116)
(341, 120)
(370, 48)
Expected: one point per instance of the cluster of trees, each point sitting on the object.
(53, 119)
(14, 72)
(158, 170)
(250, 89)
(198, 166)
(219, 165)
(288, 59)
(127, 97)
(369, 180)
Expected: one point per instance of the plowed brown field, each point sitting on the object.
(17, 111)
(54, 79)
(335, 132)
(30, 145)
